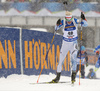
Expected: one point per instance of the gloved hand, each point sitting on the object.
(58, 22)
(82, 16)
(86, 64)
(65, 2)
(95, 69)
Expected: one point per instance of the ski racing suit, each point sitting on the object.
(84, 58)
(69, 41)
(97, 65)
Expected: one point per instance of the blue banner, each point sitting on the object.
(35, 55)
(35, 47)
(9, 51)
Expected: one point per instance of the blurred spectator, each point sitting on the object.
(90, 0)
(60, 1)
(21, 0)
(91, 74)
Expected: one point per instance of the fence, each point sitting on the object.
(91, 34)
(41, 20)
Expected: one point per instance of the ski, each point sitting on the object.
(51, 82)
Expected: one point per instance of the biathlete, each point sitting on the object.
(82, 55)
(70, 36)
(97, 65)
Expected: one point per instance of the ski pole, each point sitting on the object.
(80, 52)
(46, 57)
(65, 3)
(80, 59)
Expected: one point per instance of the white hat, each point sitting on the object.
(68, 13)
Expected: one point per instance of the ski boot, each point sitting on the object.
(73, 76)
(56, 80)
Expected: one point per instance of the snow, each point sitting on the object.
(12, 11)
(76, 12)
(92, 14)
(24, 83)
(39, 29)
(60, 13)
(2, 13)
(27, 13)
(43, 12)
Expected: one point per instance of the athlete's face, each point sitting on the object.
(82, 52)
(68, 19)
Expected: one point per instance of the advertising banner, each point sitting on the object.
(35, 47)
(9, 51)
(26, 51)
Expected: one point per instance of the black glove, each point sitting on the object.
(82, 16)
(86, 64)
(65, 2)
(58, 22)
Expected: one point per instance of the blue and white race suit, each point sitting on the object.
(69, 40)
(83, 57)
(97, 65)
